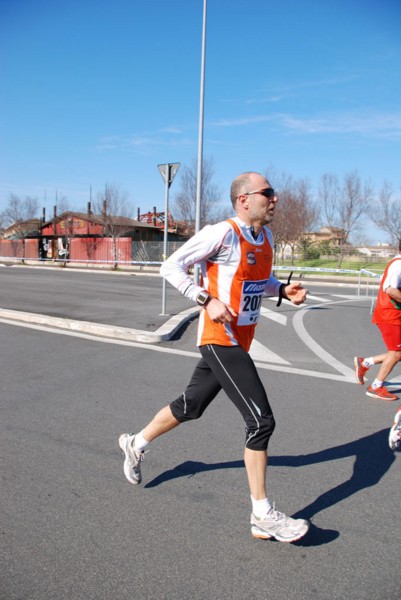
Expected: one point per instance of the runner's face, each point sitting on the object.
(261, 203)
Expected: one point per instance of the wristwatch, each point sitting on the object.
(203, 298)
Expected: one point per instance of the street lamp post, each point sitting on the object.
(200, 135)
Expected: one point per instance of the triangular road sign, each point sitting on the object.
(169, 170)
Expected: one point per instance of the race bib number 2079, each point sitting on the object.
(251, 301)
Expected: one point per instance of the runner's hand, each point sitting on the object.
(220, 312)
(295, 292)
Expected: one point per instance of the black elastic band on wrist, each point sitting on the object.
(281, 290)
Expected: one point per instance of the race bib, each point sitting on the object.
(251, 302)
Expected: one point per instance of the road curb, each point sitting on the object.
(164, 333)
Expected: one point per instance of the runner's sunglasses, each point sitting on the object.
(267, 193)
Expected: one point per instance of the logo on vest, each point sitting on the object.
(250, 258)
(254, 287)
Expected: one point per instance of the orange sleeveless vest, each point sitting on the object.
(239, 282)
(386, 310)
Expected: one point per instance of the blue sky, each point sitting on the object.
(102, 91)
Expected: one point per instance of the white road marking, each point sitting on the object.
(317, 298)
(259, 352)
(346, 373)
(284, 301)
(94, 338)
(282, 368)
(349, 297)
(274, 316)
(393, 382)
(305, 372)
(325, 356)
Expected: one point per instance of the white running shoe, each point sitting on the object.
(133, 458)
(277, 525)
(394, 437)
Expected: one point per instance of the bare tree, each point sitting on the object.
(19, 213)
(387, 216)
(330, 195)
(345, 204)
(295, 212)
(280, 182)
(19, 209)
(184, 204)
(62, 204)
(114, 210)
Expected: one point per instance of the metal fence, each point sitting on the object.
(100, 249)
(152, 251)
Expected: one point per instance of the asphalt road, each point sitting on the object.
(125, 299)
(72, 527)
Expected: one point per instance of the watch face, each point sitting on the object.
(202, 298)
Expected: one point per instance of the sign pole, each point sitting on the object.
(165, 236)
(168, 172)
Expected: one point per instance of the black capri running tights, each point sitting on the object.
(229, 368)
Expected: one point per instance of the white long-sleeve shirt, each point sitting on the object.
(213, 243)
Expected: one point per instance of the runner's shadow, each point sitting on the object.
(190, 468)
(395, 386)
(373, 458)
